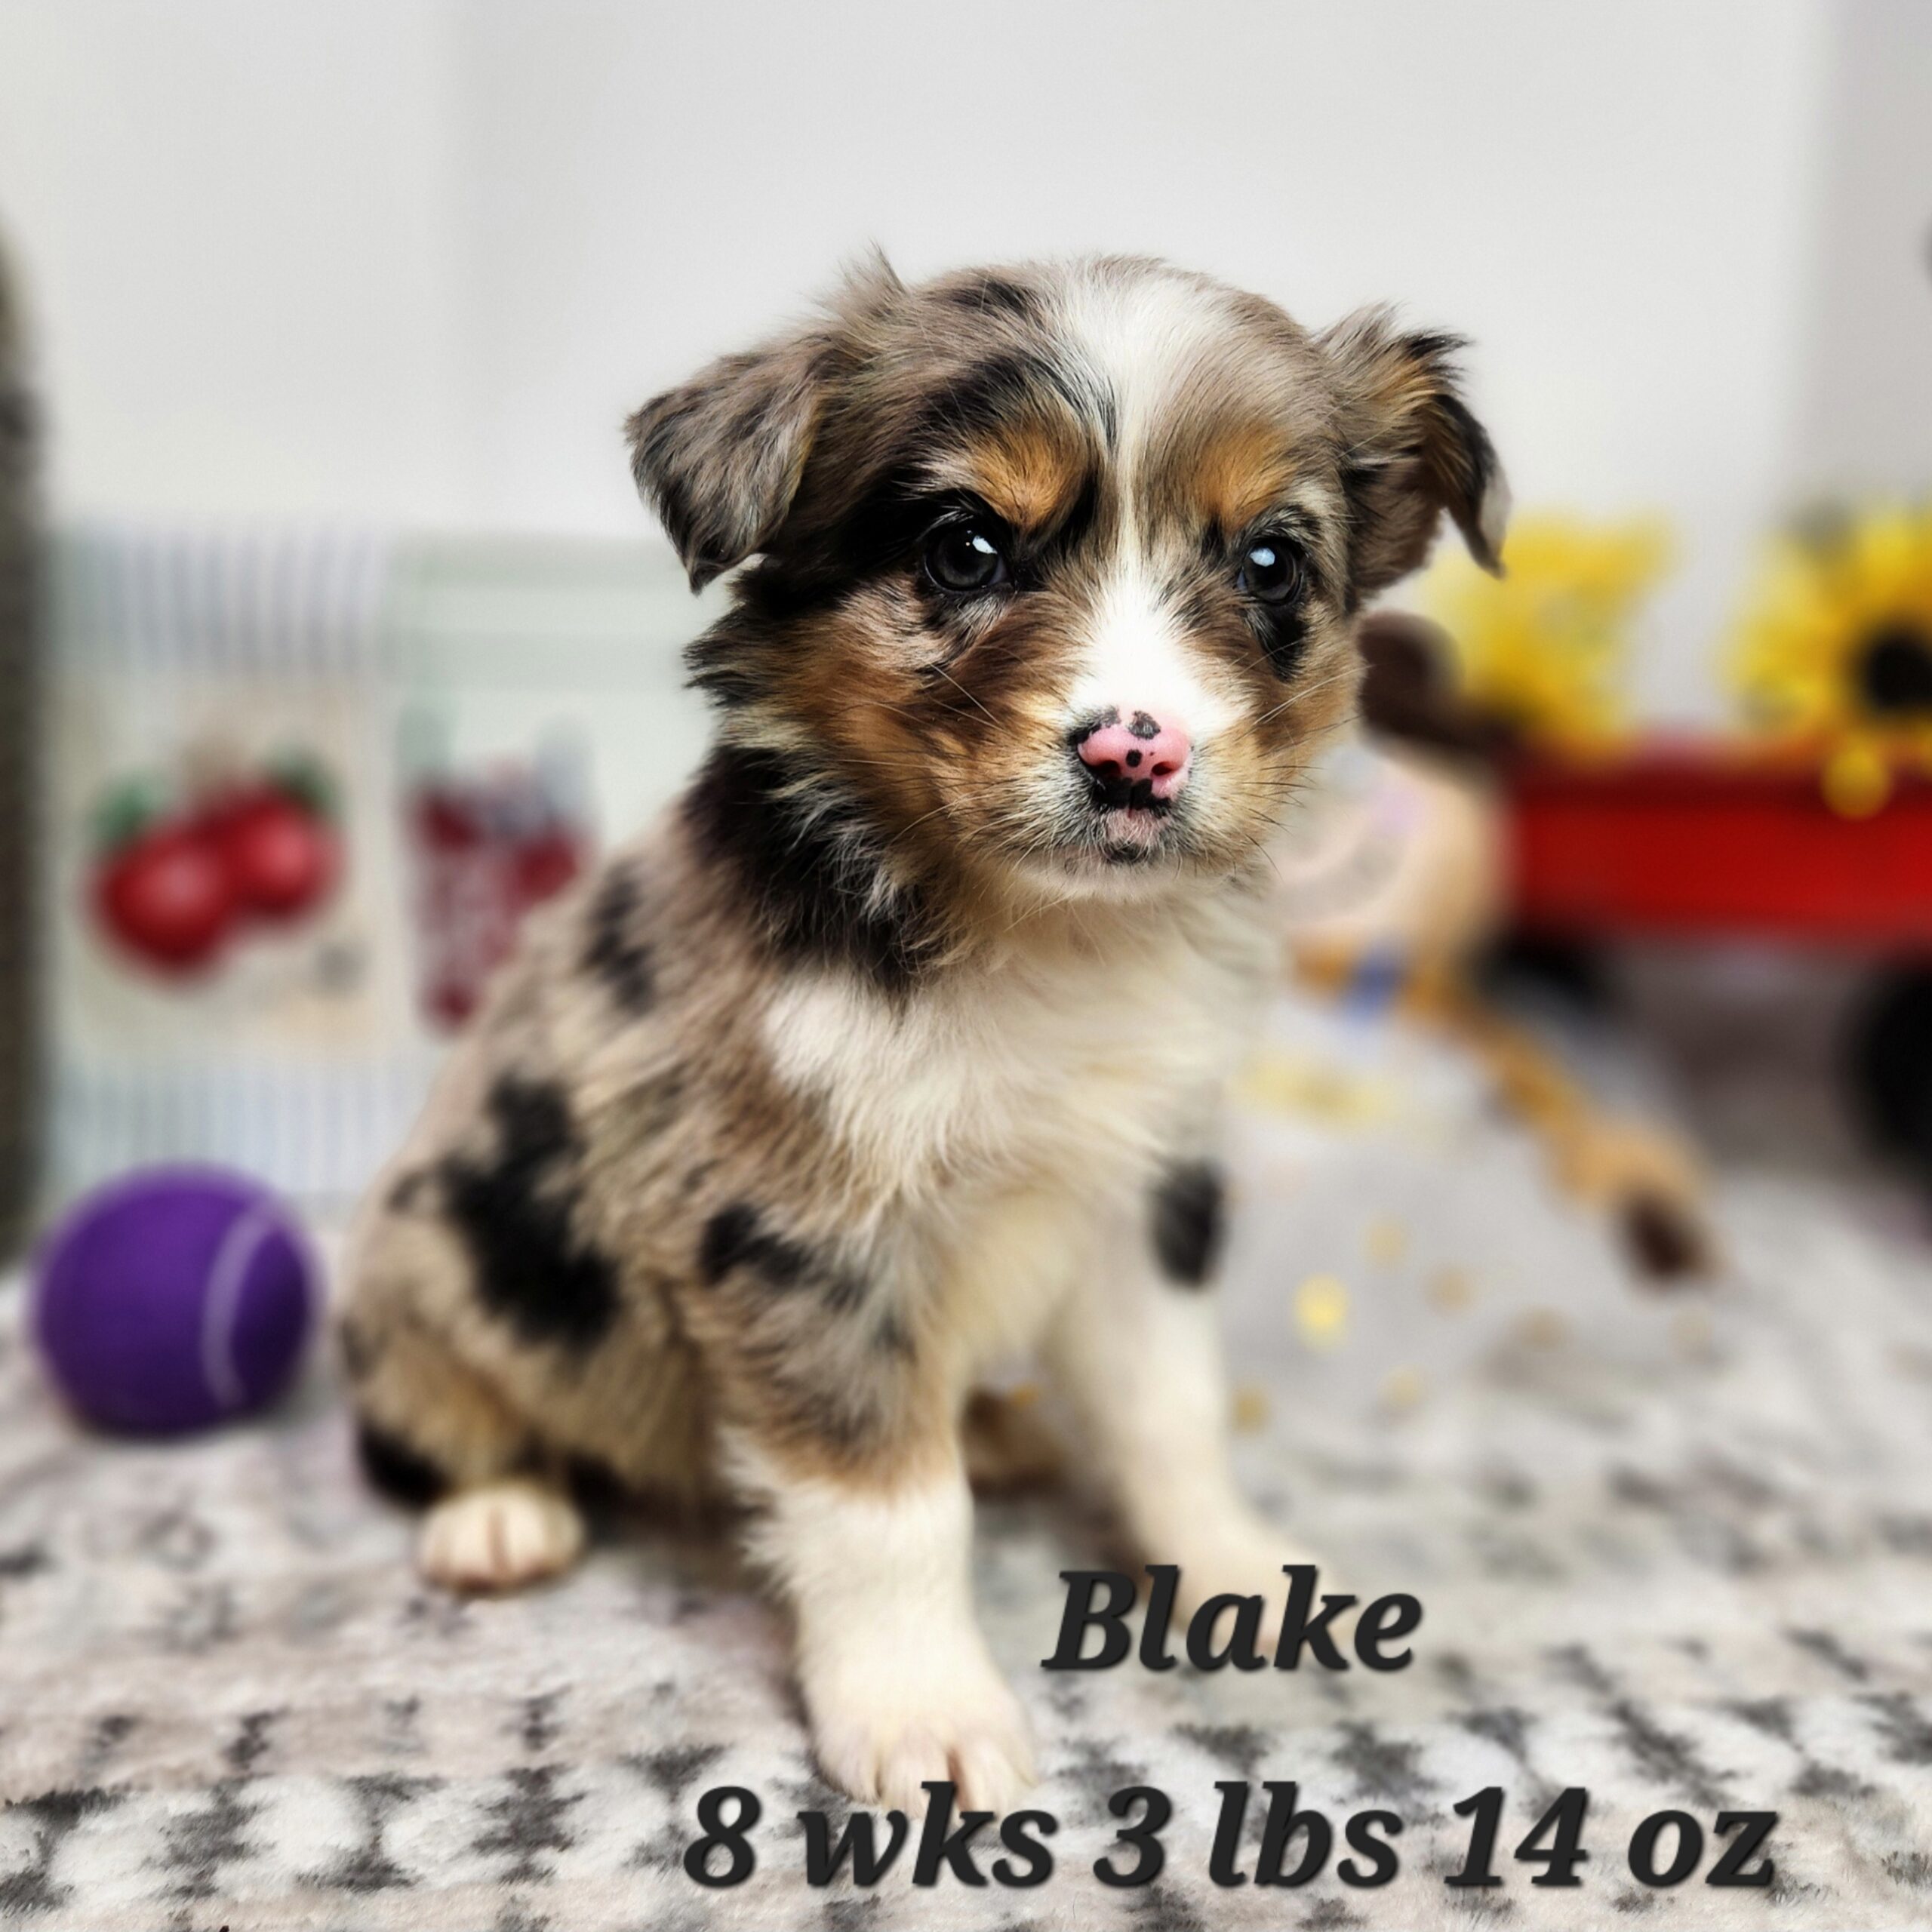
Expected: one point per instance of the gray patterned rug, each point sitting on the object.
(1679, 1553)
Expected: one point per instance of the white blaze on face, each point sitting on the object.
(1136, 657)
(1143, 335)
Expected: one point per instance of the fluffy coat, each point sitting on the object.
(897, 1047)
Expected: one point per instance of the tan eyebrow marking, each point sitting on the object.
(1030, 472)
(1236, 474)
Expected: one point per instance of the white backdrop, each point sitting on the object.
(409, 262)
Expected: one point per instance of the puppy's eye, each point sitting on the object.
(1270, 571)
(963, 560)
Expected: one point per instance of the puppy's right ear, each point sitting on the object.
(719, 459)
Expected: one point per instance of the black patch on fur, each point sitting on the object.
(877, 532)
(403, 1473)
(810, 866)
(513, 1212)
(991, 293)
(736, 1238)
(985, 396)
(1081, 518)
(1283, 628)
(614, 953)
(1284, 640)
(595, 1486)
(1190, 1222)
(1108, 409)
(887, 529)
(1280, 631)
(895, 505)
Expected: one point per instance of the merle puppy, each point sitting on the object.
(898, 1046)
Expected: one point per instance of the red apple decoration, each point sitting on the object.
(165, 896)
(282, 856)
(172, 886)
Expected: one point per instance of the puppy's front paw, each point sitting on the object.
(881, 1735)
(500, 1538)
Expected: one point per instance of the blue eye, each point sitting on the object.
(962, 560)
(1270, 571)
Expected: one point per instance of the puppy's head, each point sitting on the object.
(1057, 566)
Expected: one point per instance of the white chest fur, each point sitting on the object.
(1089, 1058)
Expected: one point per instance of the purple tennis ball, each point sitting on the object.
(174, 1298)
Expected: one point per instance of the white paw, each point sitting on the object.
(881, 1741)
(500, 1538)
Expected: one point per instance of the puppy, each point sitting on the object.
(898, 1046)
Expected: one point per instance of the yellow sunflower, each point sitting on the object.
(1835, 656)
(1544, 648)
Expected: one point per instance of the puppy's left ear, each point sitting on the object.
(1411, 450)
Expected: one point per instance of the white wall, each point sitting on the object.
(234, 219)
(1865, 420)
(414, 261)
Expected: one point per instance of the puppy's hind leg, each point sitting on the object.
(433, 1434)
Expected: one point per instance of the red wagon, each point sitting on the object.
(1684, 841)
(1690, 841)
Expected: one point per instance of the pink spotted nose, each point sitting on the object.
(1137, 760)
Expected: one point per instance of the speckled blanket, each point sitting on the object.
(1678, 1552)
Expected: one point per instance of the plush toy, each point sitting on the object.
(173, 1299)
(1396, 888)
